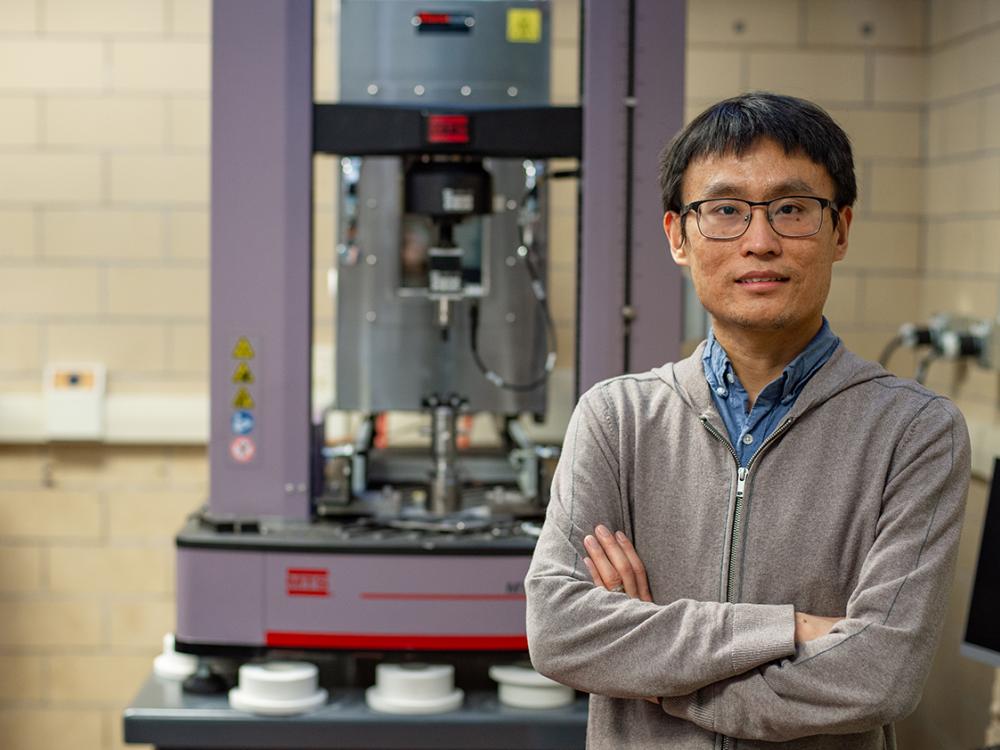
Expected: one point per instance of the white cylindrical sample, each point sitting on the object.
(415, 680)
(414, 689)
(523, 687)
(171, 665)
(279, 680)
(280, 688)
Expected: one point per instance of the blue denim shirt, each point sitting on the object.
(747, 430)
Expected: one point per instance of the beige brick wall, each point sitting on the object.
(104, 255)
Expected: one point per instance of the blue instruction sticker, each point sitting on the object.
(242, 422)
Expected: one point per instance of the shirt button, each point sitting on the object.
(730, 378)
(721, 390)
(748, 439)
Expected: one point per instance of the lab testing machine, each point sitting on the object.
(441, 136)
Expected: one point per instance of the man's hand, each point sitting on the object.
(614, 564)
(810, 627)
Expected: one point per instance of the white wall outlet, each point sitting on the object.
(74, 400)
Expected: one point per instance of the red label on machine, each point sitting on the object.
(448, 129)
(307, 582)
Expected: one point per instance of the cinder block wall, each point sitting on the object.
(103, 255)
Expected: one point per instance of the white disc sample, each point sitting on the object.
(171, 665)
(414, 680)
(523, 687)
(414, 689)
(279, 680)
(239, 700)
(378, 701)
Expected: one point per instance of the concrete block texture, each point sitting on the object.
(19, 115)
(104, 122)
(20, 347)
(47, 728)
(18, 233)
(829, 77)
(160, 66)
(104, 16)
(159, 179)
(895, 23)
(191, 17)
(50, 177)
(35, 64)
(753, 22)
(158, 292)
(91, 233)
(52, 623)
(19, 15)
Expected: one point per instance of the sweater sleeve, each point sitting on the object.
(604, 643)
(870, 669)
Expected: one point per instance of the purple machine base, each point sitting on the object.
(278, 590)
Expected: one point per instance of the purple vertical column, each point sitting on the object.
(603, 212)
(656, 286)
(620, 185)
(261, 303)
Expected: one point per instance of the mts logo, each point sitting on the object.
(307, 582)
(515, 587)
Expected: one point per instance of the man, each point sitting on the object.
(787, 514)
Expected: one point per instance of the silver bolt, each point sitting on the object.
(511, 261)
(370, 316)
(371, 260)
(371, 203)
(522, 251)
(372, 89)
(470, 21)
(419, 90)
(510, 317)
(511, 204)
(289, 488)
(415, 20)
(465, 90)
(301, 487)
(512, 91)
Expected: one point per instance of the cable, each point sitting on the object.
(890, 349)
(924, 365)
(550, 328)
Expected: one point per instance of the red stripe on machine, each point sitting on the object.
(398, 642)
(413, 597)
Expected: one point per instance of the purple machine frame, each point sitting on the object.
(261, 316)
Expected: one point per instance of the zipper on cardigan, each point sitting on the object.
(741, 480)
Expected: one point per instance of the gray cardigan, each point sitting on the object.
(853, 507)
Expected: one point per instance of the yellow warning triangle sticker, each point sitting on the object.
(243, 400)
(243, 350)
(243, 374)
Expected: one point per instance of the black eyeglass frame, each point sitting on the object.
(824, 203)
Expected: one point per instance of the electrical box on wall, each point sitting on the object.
(74, 401)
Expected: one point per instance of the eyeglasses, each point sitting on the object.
(789, 216)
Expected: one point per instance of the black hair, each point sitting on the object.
(735, 125)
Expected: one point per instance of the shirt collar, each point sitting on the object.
(796, 373)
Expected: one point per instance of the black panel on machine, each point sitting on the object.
(523, 132)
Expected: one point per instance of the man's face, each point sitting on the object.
(759, 281)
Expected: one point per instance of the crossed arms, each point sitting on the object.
(747, 670)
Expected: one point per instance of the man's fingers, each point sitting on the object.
(638, 569)
(610, 573)
(616, 556)
(594, 575)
